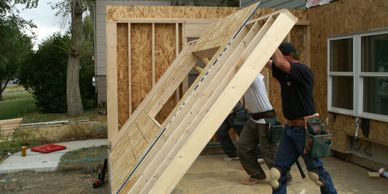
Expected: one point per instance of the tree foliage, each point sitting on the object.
(15, 47)
(44, 74)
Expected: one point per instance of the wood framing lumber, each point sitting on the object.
(159, 154)
(174, 133)
(231, 94)
(173, 75)
(152, 102)
(112, 106)
(218, 83)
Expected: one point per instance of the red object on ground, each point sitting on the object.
(48, 148)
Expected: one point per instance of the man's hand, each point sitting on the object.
(281, 62)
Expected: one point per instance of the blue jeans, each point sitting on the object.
(291, 147)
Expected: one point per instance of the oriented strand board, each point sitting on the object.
(336, 19)
(122, 73)
(169, 12)
(165, 47)
(130, 137)
(141, 62)
(165, 52)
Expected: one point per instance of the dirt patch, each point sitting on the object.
(53, 182)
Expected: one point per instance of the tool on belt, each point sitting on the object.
(276, 130)
(318, 139)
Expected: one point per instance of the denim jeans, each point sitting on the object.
(291, 147)
(224, 138)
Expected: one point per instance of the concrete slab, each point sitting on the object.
(44, 162)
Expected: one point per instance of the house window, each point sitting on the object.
(358, 75)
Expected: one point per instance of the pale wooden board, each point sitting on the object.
(112, 105)
(221, 32)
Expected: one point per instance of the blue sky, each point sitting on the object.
(45, 20)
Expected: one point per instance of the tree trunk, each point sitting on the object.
(2, 87)
(74, 102)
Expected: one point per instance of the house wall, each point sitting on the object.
(335, 19)
(100, 38)
(157, 34)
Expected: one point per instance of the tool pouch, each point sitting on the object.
(275, 130)
(241, 117)
(318, 139)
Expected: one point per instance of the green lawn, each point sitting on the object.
(16, 103)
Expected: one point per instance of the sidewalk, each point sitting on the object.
(40, 162)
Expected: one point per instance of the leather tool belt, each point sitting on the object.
(262, 115)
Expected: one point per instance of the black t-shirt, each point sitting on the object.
(296, 90)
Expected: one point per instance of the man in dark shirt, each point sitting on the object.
(296, 82)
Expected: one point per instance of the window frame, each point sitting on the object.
(358, 77)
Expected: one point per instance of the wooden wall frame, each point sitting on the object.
(151, 157)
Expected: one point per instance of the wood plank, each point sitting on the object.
(192, 29)
(153, 54)
(121, 161)
(112, 106)
(148, 126)
(176, 55)
(225, 102)
(227, 27)
(11, 121)
(129, 72)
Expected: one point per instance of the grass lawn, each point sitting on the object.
(16, 103)
(84, 159)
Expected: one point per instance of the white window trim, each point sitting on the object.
(358, 77)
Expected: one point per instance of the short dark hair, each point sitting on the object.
(288, 49)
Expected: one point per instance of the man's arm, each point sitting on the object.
(281, 62)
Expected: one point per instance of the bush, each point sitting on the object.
(44, 74)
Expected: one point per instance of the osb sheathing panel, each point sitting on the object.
(141, 49)
(122, 73)
(141, 62)
(165, 52)
(163, 12)
(342, 18)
